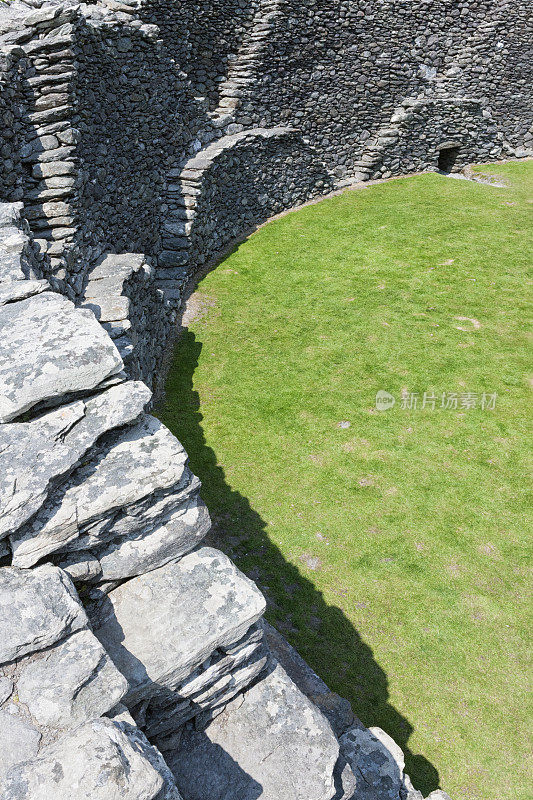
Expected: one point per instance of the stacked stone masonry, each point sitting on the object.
(140, 138)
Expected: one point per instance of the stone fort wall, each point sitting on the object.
(123, 94)
(138, 139)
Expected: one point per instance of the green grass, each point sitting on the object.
(394, 552)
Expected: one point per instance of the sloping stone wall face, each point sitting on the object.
(138, 139)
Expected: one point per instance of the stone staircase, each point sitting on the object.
(241, 71)
(185, 188)
(403, 144)
(49, 154)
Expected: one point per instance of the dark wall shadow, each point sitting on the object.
(321, 633)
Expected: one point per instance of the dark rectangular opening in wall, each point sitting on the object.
(447, 158)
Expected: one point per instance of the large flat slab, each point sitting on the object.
(185, 527)
(72, 682)
(111, 496)
(35, 454)
(48, 349)
(37, 608)
(269, 743)
(159, 627)
(101, 760)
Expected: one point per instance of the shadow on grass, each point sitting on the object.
(321, 633)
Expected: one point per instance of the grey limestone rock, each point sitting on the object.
(37, 608)
(34, 454)
(154, 757)
(70, 683)
(120, 713)
(11, 291)
(17, 261)
(100, 760)
(92, 507)
(269, 743)
(19, 740)
(49, 349)
(6, 688)
(80, 567)
(376, 764)
(159, 627)
(9, 214)
(336, 709)
(183, 530)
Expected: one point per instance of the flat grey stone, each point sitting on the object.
(10, 214)
(376, 763)
(154, 757)
(33, 454)
(438, 794)
(70, 683)
(16, 257)
(120, 713)
(132, 556)
(269, 743)
(336, 709)
(19, 740)
(48, 349)
(100, 760)
(159, 627)
(37, 608)
(210, 687)
(94, 505)
(11, 291)
(11, 265)
(81, 567)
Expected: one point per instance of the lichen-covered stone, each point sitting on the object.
(114, 494)
(34, 455)
(374, 764)
(184, 529)
(271, 742)
(194, 606)
(71, 683)
(37, 608)
(49, 349)
(336, 709)
(100, 760)
(19, 740)
(11, 291)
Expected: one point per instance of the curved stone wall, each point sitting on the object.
(138, 139)
(109, 101)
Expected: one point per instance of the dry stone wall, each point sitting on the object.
(109, 101)
(138, 139)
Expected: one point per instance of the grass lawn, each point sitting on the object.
(393, 545)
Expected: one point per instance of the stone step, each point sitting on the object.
(63, 676)
(35, 456)
(210, 687)
(104, 759)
